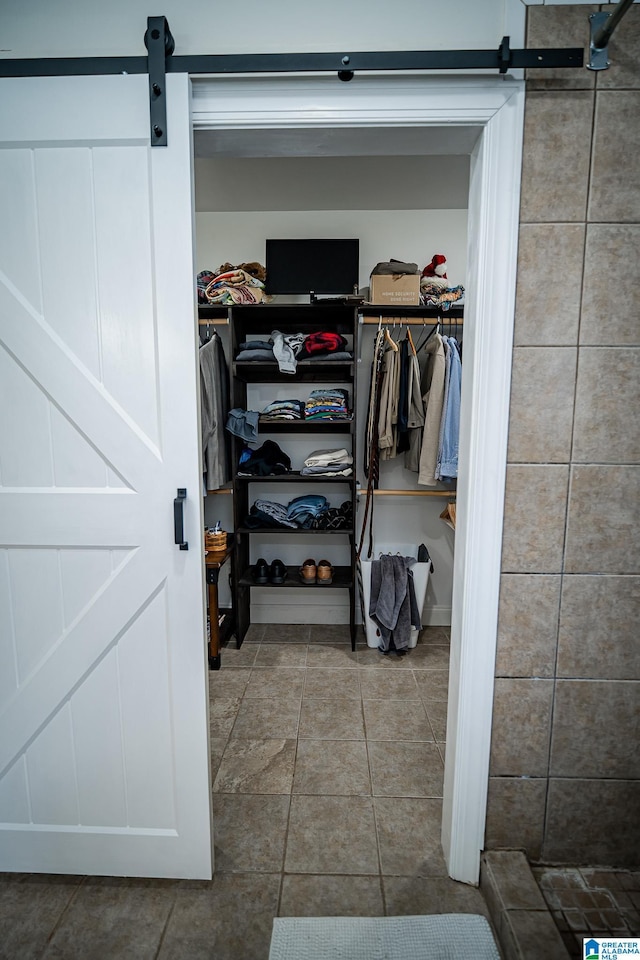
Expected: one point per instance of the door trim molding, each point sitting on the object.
(496, 108)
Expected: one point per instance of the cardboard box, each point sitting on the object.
(395, 290)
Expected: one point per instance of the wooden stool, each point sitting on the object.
(213, 564)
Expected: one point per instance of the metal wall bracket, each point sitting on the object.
(160, 44)
(504, 55)
(602, 27)
(598, 56)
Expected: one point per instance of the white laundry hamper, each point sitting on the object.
(420, 580)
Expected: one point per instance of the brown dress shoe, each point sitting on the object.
(325, 572)
(308, 571)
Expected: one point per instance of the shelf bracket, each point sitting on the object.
(160, 45)
(602, 27)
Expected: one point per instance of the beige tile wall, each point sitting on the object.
(565, 764)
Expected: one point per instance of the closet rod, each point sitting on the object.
(214, 322)
(415, 321)
(222, 490)
(448, 494)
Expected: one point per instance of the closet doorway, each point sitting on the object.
(481, 120)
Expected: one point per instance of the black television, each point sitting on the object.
(312, 266)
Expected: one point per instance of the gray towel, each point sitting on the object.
(392, 603)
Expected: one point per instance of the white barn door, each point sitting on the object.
(103, 702)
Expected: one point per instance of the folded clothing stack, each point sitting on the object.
(335, 518)
(203, 280)
(287, 349)
(436, 292)
(266, 513)
(307, 508)
(267, 460)
(306, 511)
(328, 463)
(323, 346)
(234, 286)
(327, 404)
(284, 410)
(255, 350)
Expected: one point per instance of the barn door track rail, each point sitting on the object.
(160, 61)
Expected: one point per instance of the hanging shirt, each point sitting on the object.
(388, 404)
(433, 396)
(404, 386)
(374, 402)
(214, 393)
(448, 459)
(415, 421)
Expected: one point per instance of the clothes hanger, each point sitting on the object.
(423, 342)
(390, 340)
(449, 514)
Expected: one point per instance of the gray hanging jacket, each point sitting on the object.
(213, 399)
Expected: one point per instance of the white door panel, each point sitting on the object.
(103, 680)
(53, 366)
(14, 796)
(67, 239)
(82, 574)
(36, 625)
(102, 788)
(19, 246)
(53, 798)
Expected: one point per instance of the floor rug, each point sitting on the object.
(450, 936)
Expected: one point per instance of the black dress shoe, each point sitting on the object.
(277, 572)
(260, 572)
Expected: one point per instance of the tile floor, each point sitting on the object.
(589, 902)
(327, 785)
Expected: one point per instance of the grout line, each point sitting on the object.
(165, 928)
(66, 909)
(592, 151)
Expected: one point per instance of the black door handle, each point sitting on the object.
(178, 519)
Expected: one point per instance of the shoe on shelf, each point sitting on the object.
(277, 572)
(308, 571)
(325, 572)
(260, 571)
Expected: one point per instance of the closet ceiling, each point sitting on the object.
(338, 142)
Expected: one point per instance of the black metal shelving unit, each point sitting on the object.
(260, 321)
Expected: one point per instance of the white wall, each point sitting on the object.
(399, 234)
(315, 182)
(68, 28)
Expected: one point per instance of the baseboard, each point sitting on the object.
(437, 616)
(274, 608)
